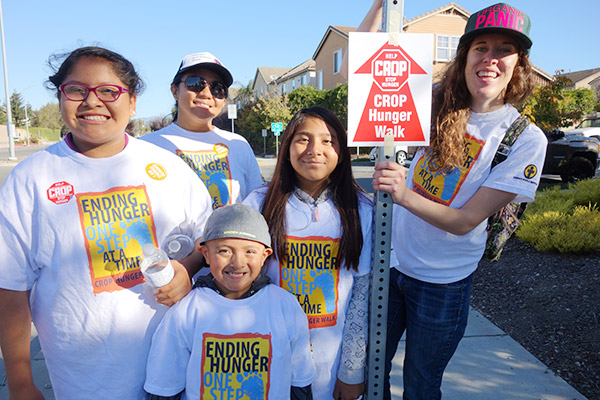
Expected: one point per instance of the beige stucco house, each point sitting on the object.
(264, 79)
(589, 78)
(447, 23)
(303, 74)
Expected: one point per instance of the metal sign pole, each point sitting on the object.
(382, 235)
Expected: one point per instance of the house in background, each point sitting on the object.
(595, 84)
(589, 78)
(303, 74)
(283, 80)
(447, 24)
(328, 57)
(264, 80)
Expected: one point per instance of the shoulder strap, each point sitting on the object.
(513, 132)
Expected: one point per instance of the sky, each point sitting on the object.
(156, 35)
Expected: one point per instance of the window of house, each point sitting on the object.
(320, 79)
(303, 80)
(293, 85)
(446, 47)
(283, 89)
(337, 61)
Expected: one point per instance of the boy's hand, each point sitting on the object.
(175, 290)
(346, 391)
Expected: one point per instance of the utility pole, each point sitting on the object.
(393, 11)
(9, 127)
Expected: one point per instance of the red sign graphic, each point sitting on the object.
(390, 69)
(390, 108)
(60, 192)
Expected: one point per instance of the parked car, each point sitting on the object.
(403, 153)
(573, 157)
(589, 127)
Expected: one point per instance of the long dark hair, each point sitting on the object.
(344, 189)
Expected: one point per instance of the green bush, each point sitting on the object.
(567, 221)
(586, 192)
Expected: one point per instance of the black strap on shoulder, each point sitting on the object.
(513, 132)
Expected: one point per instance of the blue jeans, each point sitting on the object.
(434, 317)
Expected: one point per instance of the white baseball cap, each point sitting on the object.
(208, 61)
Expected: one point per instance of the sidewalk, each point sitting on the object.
(488, 364)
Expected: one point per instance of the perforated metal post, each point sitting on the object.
(382, 235)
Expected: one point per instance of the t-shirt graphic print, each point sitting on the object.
(116, 224)
(213, 167)
(235, 366)
(309, 272)
(443, 188)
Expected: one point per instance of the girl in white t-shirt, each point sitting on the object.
(320, 222)
(74, 218)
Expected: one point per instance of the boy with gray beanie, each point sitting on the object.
(234, 334)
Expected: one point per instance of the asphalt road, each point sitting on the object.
(363, 171)
(21, 152)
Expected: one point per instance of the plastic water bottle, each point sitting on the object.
(179, 246)
(155, 266)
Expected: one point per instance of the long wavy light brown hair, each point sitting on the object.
(344, 188)
(451, 102)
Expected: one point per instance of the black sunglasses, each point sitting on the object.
(197, 84)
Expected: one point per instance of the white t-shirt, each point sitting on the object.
(220, 348)
(433, 255)
(72, 229)
(223, 160)
(322, 290)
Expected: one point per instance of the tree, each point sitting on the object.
(245, 94)
(552, 106)
(48, 116)
(253, 119)
(305, 96)
(17, 108)
(336, 100)
(158, 123)
(579, 102)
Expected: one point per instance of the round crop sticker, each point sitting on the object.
(221, 149)
(60, 192)
(156, 171)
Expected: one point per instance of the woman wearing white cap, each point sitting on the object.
(444, 200)
(223, 160)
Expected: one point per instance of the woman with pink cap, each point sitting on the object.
(444, 200)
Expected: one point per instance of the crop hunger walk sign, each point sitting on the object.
(389, 88)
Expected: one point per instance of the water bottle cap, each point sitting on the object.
(174, 246)
(148, 249)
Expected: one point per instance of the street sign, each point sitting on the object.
(231, 111)
(264, 133)
(389, 88)
(277, 128)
